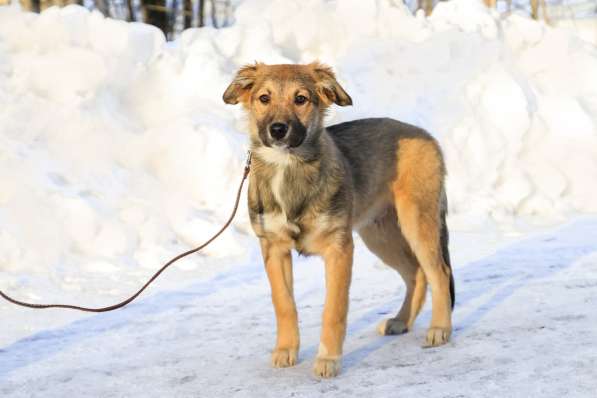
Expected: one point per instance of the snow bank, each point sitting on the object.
(111, 156)
(116, 148)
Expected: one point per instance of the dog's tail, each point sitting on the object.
(444, 240)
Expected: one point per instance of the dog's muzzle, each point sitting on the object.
(289, 135)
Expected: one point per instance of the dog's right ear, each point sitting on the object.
(238, 90)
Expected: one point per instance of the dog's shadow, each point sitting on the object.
(507, 270)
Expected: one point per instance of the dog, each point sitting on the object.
(310, 186)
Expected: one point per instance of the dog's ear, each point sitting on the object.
(238, 90)
(328, 88)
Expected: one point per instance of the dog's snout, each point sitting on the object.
(278, 130)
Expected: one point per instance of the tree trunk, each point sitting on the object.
(202, 13)
(30, 5)
(426, 5)
(535, 9)
(158, 14)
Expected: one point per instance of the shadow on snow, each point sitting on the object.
(508, 270)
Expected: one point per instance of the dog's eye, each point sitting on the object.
(300, 99)
(264, 99)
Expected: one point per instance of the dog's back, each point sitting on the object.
(370, 148)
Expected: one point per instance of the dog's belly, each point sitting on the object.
(365, 214)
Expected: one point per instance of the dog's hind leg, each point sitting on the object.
(418, 195)
(384, 239)
(416, 289)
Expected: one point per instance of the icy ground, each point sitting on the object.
(524, 326)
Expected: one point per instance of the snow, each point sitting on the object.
(117, 153)
(524, 327)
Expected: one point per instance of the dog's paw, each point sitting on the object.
(392, 326)
(284, 357)
(326, 367)
(437, 336)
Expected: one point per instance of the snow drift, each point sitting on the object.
(115, 146)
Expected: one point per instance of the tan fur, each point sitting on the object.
(397, 215)
(417, 190)
(412, 247)
(336, 250)
(278, 264)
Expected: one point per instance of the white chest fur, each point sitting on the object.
(278, 224)
(280, 160)
(277, 185)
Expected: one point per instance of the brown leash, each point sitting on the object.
(154, 277)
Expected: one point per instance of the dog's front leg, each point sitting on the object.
(278, 264)
(338, 271)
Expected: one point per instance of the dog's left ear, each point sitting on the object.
(240, 87)
(328, 88)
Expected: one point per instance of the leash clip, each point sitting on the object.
(248, 162)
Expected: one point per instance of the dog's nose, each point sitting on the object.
(278, 130)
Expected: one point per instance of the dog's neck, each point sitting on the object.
(293, 178)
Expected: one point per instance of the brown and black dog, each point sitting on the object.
(310, 186)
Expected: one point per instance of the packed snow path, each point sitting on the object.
(524, 326)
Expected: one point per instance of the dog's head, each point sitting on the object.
(285, 103)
